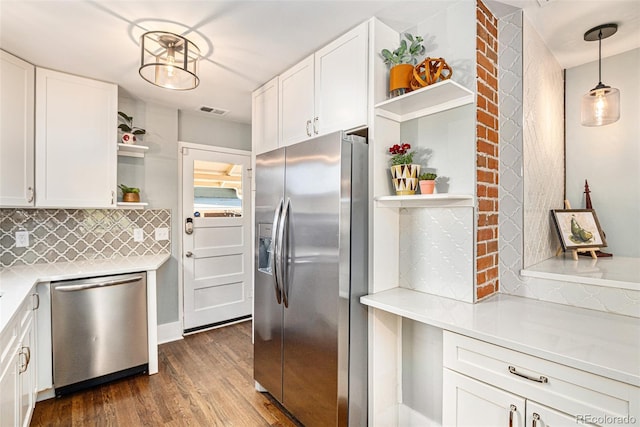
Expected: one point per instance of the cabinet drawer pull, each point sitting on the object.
(512, 409)
(308, 127)
(540, 379)
(536, 418)
(31, 194)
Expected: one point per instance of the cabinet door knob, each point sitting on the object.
(189, 254)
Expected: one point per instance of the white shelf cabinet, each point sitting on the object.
(264, 117)
(327, 91)
(17, 182)
(132, 205)
(132, 150)
(76, 126)
(432, 99)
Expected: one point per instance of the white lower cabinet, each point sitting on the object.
(488, 385)
(18, 368)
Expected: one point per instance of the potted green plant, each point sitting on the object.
(404, 173)
(402, 60)
(427, 181)
(130, 132)
(130, 194)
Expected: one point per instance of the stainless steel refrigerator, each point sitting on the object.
(310, 330)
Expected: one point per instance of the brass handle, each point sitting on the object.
(315, 125)
(308, 127)
(540, 379)
(512, 409)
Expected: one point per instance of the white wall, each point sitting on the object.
(157, 174)
(543, 146)
(607, 156)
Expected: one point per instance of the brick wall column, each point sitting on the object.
(486, 152)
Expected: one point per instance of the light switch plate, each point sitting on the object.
(22, 239)
(138, 235)
(162, 234)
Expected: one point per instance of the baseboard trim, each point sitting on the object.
(168, 332)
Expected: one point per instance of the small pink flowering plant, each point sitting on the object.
(401, 154)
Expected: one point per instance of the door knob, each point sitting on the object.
(189, 254)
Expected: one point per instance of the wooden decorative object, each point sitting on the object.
(430, 71)
(131, 197)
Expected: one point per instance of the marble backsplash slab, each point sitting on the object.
(63, 235)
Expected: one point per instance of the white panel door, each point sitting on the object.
(76, 141)
(264, 117)
(27, 372)
(341, 83)
(541, 416)
(217, 257)
(296, 103)
(17, 83)
(470, 403)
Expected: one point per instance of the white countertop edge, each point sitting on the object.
(17, 282)
(392, 302)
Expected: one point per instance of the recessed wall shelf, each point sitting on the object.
(444, 200)
(132, 205)
(432, 99)
(131, 150)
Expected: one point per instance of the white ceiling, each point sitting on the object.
(245, 43)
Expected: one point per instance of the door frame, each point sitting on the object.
(214, 149)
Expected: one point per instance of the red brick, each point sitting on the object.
(492, 108)
(484, 234)
(486, 91)
(481, 130)
(481, 45)
(492, 273)
(483, 8)
(481, 161)
(481, 249)
(484, 291)
(491, 27)
(497, 285)
(486, 147)
(492, 164)
(485, 205)
(492, 192)
(481, 190)
(481, 277)
(482, 103)
(486, 119)
(484, 62)
(485, 176)
(492, 81)
(483, 263)
(492, 246)
(492, 136)
(491, 54)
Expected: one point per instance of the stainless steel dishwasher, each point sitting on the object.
(99, 328)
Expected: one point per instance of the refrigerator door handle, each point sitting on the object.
(282, 265)
(275, 258)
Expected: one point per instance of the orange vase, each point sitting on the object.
(400, 79)
(427, 186)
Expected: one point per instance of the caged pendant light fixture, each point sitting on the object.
(169, 60)
(601, 106)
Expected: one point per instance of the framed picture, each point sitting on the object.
(578, 228)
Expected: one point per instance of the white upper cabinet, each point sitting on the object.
(341, 83)
(16, 132)
(264, 117)
(326, 91)
(296, 102)
(76, 133)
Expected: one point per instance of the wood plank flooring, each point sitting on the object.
(204, 380)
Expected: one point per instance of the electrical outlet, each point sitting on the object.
(138, 235)
(162, 234)
(22, 239)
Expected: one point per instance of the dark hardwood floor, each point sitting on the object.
(204, 380)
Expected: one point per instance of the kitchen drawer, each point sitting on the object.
(567, 389)
(7, 340)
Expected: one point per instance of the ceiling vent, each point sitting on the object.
(216, 111)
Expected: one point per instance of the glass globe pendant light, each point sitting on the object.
(601, 106)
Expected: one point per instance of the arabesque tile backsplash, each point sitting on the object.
(62, 235)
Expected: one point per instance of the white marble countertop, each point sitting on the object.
(603, 343)
(615, 272)
(16, 282)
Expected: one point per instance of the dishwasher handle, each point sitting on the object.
(73, 288)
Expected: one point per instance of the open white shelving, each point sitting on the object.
(131, 150)
(444, 200)
(132, 205)
(432, 99)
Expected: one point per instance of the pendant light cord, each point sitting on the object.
(600, 58)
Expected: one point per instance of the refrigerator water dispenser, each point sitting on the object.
(265, 248)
